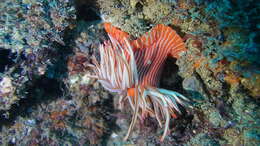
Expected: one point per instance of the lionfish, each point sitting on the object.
(132, 69)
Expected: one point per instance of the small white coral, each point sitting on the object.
(6, 86)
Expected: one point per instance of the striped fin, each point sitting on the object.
(146, 40)
(174, 44)
(116, 33)
(151, 51)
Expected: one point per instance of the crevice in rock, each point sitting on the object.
(7, 59)
(87, 10)
(38, 91)
(204, 86)
(169, 78)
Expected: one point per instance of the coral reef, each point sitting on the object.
(47, 97)
(31, 25)
(30, 30)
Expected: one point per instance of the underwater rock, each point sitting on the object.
(203, 139)
(31, 29)
(193, 86)
(215, 118)
(33, 25)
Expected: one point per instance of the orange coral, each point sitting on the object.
(77, 63)
(59, 125)
(183, 4)
(197, 63)
(232, 79)
(58, 115)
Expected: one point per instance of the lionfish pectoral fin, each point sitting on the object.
(178, 51)
(167, 37)
(177, 46)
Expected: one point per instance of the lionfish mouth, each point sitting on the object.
(132, 68)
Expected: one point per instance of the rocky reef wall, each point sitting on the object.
(48, 98)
